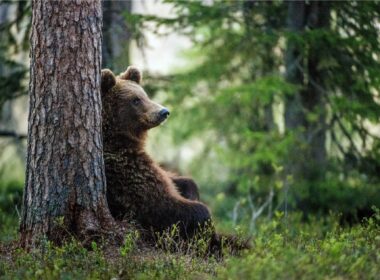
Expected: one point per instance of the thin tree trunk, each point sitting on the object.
(5, 108)
(318, 18)
(309, 155)
(294, 116)
(116, 35)
(65, 188)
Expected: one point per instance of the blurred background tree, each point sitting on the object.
(14, 21)
(13, 41)
(116, 35)
(284, 96)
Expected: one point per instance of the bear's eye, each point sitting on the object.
(136, 101)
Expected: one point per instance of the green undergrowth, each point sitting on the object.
(316, 250)
(282, 248)
(10, 201)
(74, 261)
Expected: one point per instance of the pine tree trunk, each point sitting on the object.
(65, 190)
(309, 154)
(294, 117)
(314, 102)
(116, 35)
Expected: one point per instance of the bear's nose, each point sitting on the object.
(164, 113)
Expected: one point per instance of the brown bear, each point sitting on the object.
(138, 188)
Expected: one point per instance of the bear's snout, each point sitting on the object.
(164, 113)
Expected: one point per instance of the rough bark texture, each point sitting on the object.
(65, 187)
(116, 34)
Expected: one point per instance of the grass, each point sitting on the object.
(321, 250)
(283, 248)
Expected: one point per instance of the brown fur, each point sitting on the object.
(186, 187)
(137, 187)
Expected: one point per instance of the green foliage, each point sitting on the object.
(14, 34)
(73, 261)
(352, 197)
(69, 261)
(10, 201)
(170, 240)
(284, 248)
(314, 251)
(235, 96)
(10, 196)
(129, 243)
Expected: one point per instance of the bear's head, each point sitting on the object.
(128, 113)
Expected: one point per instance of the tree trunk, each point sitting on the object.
(5, 108)
(318, 17)
(65, 190)
(309, 154)
(294, 116)
(116, 35)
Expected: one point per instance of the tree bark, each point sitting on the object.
(65, 190)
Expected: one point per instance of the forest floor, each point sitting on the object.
(283, 248)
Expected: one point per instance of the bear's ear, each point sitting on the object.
(108, 80)
(132, 74)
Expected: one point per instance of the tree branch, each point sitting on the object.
(12, 134)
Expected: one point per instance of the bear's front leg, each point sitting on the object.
(186, 187)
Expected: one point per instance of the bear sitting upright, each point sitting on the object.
(137, 187)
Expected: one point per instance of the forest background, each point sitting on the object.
(275, 108)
